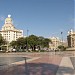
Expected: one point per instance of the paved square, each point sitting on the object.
(38, 64)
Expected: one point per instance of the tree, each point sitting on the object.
(2, 41)
(61, 47)
(13, 44)
(33, 41)
(46, 42)
(38, 42)
(21, 42)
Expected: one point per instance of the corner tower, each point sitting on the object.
(9, 32)
(8, 25)
(8, 20)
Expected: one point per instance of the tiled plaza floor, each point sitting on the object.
(45, 65)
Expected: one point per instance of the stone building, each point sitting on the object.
(9, 32)
(71, 39)
(55, 43)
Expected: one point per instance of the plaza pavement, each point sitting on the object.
(66, 67)
(41, 64)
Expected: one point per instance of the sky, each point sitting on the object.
(45, 18)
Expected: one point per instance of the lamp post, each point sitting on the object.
(62, 41)
(62, 38)
(27, 38)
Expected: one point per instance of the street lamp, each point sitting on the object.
(27, 38)
(27, 32)
(61, 42)
(62, 38)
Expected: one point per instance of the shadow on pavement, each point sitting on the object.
(36, 69)
(66, 70)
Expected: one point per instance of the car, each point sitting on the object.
(14, 50)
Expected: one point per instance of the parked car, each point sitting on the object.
(14, 50)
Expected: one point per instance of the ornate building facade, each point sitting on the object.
(71, 39)
(9, 32)
(55, 43)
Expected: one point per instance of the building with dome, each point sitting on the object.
(9, 32)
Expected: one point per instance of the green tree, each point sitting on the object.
(2, 41)
(21, 42)
(33, 41)
(46, 42)
(38, 42)
(61, 47)
(13, 44)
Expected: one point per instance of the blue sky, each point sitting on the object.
(45, 18)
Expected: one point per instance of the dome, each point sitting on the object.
(8, 20)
